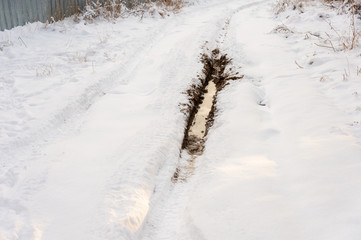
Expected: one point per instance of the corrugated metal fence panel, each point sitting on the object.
(18, 12)
(5, 14)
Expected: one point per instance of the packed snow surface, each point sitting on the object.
(91, 128)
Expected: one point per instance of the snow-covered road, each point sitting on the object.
(281, 160)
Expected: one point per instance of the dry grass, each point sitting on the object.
(345, 6)
(351, 40)
(346, 40)
(59, 14)
(282, 29)
(5, 44)
(282, 5)
(172, 5)
(44, 71)
(78, 57)
(110, 9)
(113, 9)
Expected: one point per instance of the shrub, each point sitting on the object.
(113, 9)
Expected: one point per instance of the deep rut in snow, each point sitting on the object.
(201, 108)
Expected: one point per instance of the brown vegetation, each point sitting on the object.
(113, 9)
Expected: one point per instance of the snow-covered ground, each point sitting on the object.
(91, 130)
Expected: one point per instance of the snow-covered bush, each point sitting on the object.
(110, 9)
(113, 9)
(92, 11)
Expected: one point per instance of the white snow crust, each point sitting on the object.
(91, 128)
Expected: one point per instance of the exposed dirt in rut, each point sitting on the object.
(201, 108)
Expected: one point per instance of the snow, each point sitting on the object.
(91, 130)
(290, 169)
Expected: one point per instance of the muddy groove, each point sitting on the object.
(201, 108)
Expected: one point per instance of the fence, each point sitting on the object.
(18, 12)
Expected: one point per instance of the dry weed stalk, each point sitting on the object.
(352, 41)
(22, 41)
(345, 6)
(113, 9)
(5, 44)
(358, 71)
(44, 71)
(347, 41)
(79, 58)
(281, 5)
(172, 5)
(282, 29)
(298, 65)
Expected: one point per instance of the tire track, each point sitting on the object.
(167, 212)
